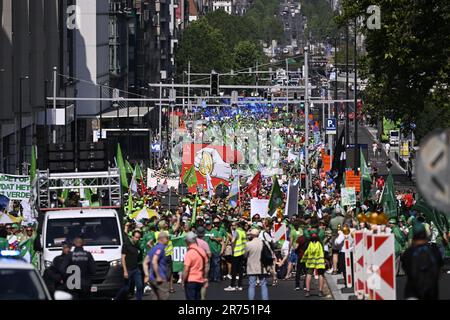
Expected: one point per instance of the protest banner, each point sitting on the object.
(179, 250)
(352, 180)
(153, 177)
(348, 196)
(15, 187)
(259, 206)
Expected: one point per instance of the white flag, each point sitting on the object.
(133, 183)
(209, 185)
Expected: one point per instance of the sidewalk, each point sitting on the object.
(335, 288)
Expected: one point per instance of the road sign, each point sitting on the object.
(433, 170)
(331, 125)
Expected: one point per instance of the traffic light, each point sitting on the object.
(302, 104)
(214, 91)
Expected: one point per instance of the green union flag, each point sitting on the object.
(276, 196)
(366, 181)
(388, 199)
(189, 177)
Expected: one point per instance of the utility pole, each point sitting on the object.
(101, 111)
(306, 119)
(287, 89)
(336, 112)
(160, 116)
(356, 155)
(54, 104)
(347, 125)
(189, 85)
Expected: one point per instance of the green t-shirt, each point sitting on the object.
(147, 236)
(295, 234)
(215, 246)
(4, 244)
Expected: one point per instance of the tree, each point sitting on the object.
(319, 16)
(245, 55)
(234, 28)
(205, 47)
(407, 59)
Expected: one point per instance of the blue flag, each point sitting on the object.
(4, 202)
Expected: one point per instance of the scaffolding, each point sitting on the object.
(48, 184)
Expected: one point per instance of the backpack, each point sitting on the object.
(424, 271)
(266, 255)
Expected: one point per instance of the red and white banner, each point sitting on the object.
(358, 264)
(383, 267)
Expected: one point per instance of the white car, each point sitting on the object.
(19, 280)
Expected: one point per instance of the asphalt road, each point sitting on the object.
(284, 290)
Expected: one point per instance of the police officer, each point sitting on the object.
(53, 278)
(78, 268)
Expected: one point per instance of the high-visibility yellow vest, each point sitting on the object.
(169, 247)
(240, 243)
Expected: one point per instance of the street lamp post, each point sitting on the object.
(306, 119)
(20, 125)
(356, 155)
(336, 113)
(347, 125)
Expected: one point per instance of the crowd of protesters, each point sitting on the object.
(226, 244)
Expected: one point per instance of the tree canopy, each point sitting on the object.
(407, 61)
(222, 42)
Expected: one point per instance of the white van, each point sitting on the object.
(102, 234)
(394, 137)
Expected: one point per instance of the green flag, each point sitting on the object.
(121, 168)
(88, 195)
(388, 199)
(432, 215)
(33, 164)
(194, 211)
(179, 250)
(189, 177)
(129, 207)
(128, 167)
(276, 196)
(366, 181)
(137, 168)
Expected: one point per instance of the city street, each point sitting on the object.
(284, 290)
(143, 139)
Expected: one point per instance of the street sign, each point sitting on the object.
(433, 170)
(331, 125)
